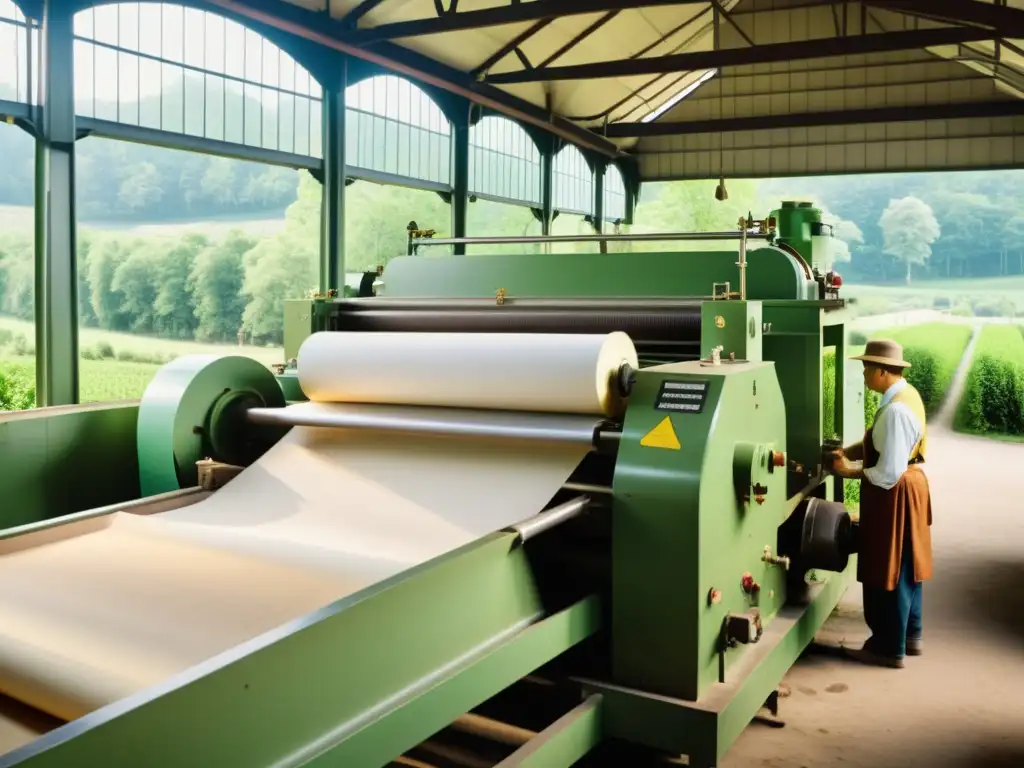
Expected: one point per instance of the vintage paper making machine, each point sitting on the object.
(508, 510)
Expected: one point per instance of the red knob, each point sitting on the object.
(837, 281)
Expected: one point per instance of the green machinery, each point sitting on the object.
(654, 604)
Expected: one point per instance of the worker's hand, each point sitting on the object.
(836, 460)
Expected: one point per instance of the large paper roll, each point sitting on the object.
(553, 373)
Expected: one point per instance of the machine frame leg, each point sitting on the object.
(704, 730)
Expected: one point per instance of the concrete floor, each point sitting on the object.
(962, 702)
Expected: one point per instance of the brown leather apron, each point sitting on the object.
(890, 517)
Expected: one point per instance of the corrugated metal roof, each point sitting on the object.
(659, 79)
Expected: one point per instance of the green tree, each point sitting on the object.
(376, 217)
(140, 187)
(17, 275)
(690, 206)
(214, 286)
(1013, 243)
(846, 235)
(105, 256)
(283, 267)
(83, 245)
(135, 279)
(173, 309)
(909, 228)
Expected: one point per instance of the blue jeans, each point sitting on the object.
(894, 616)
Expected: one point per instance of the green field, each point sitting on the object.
(101, 380)
(146, 348)
(967, 297)
(993, 400)
(1011, 284)
(114, 366)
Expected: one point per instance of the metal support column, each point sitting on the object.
(332, 206)
(460, 175)
(632, 195)
(547, 169)
(56, 301)
(598, 205)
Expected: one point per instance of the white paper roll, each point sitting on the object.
(559, 373)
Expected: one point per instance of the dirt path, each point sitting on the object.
(962, 703)
(944, 418)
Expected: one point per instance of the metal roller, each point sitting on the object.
(672, 330)
(439, 421)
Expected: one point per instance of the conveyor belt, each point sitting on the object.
(662, 330)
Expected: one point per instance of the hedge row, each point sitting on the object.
(17, 387)
(934, 351)
(993, 400)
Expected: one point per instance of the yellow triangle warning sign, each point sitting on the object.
(662, 436)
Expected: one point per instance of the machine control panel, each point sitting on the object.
(682, 396)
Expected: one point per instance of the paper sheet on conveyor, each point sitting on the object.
(93, 611)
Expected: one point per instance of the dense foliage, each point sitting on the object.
(934, 351)
(993, 399)
(978, 213)
(193, 286)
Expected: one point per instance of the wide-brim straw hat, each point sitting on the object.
(883, 352)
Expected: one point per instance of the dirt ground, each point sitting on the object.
(962, 702)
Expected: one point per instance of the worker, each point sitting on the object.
(894, 529)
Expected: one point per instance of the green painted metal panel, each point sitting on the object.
(289, 383)
(190, 412)
(779, 653)
(795, 221)
(299, 322)
(681, 528)
(736, 326)
(356, 685)
(66, 459)
(771, 274)
(794, 342)
(705, 730)
(564, 742)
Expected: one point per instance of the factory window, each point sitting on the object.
(376, 220)
(18, 38)
(572, 182)
(164, 67)
(395, 133)
(487, 217)
(182, 253)
(17, 191)
(504, 163)
(614, 194)
(17, 268)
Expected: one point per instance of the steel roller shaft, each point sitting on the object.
(661, 328)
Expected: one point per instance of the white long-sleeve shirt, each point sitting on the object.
(894, 435)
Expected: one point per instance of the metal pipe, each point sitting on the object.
(495, 730)
(548, 519)
(639, 237)
(743, 258)
(569, 429)
(147, 505)
(538, 303)
(605, 490)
